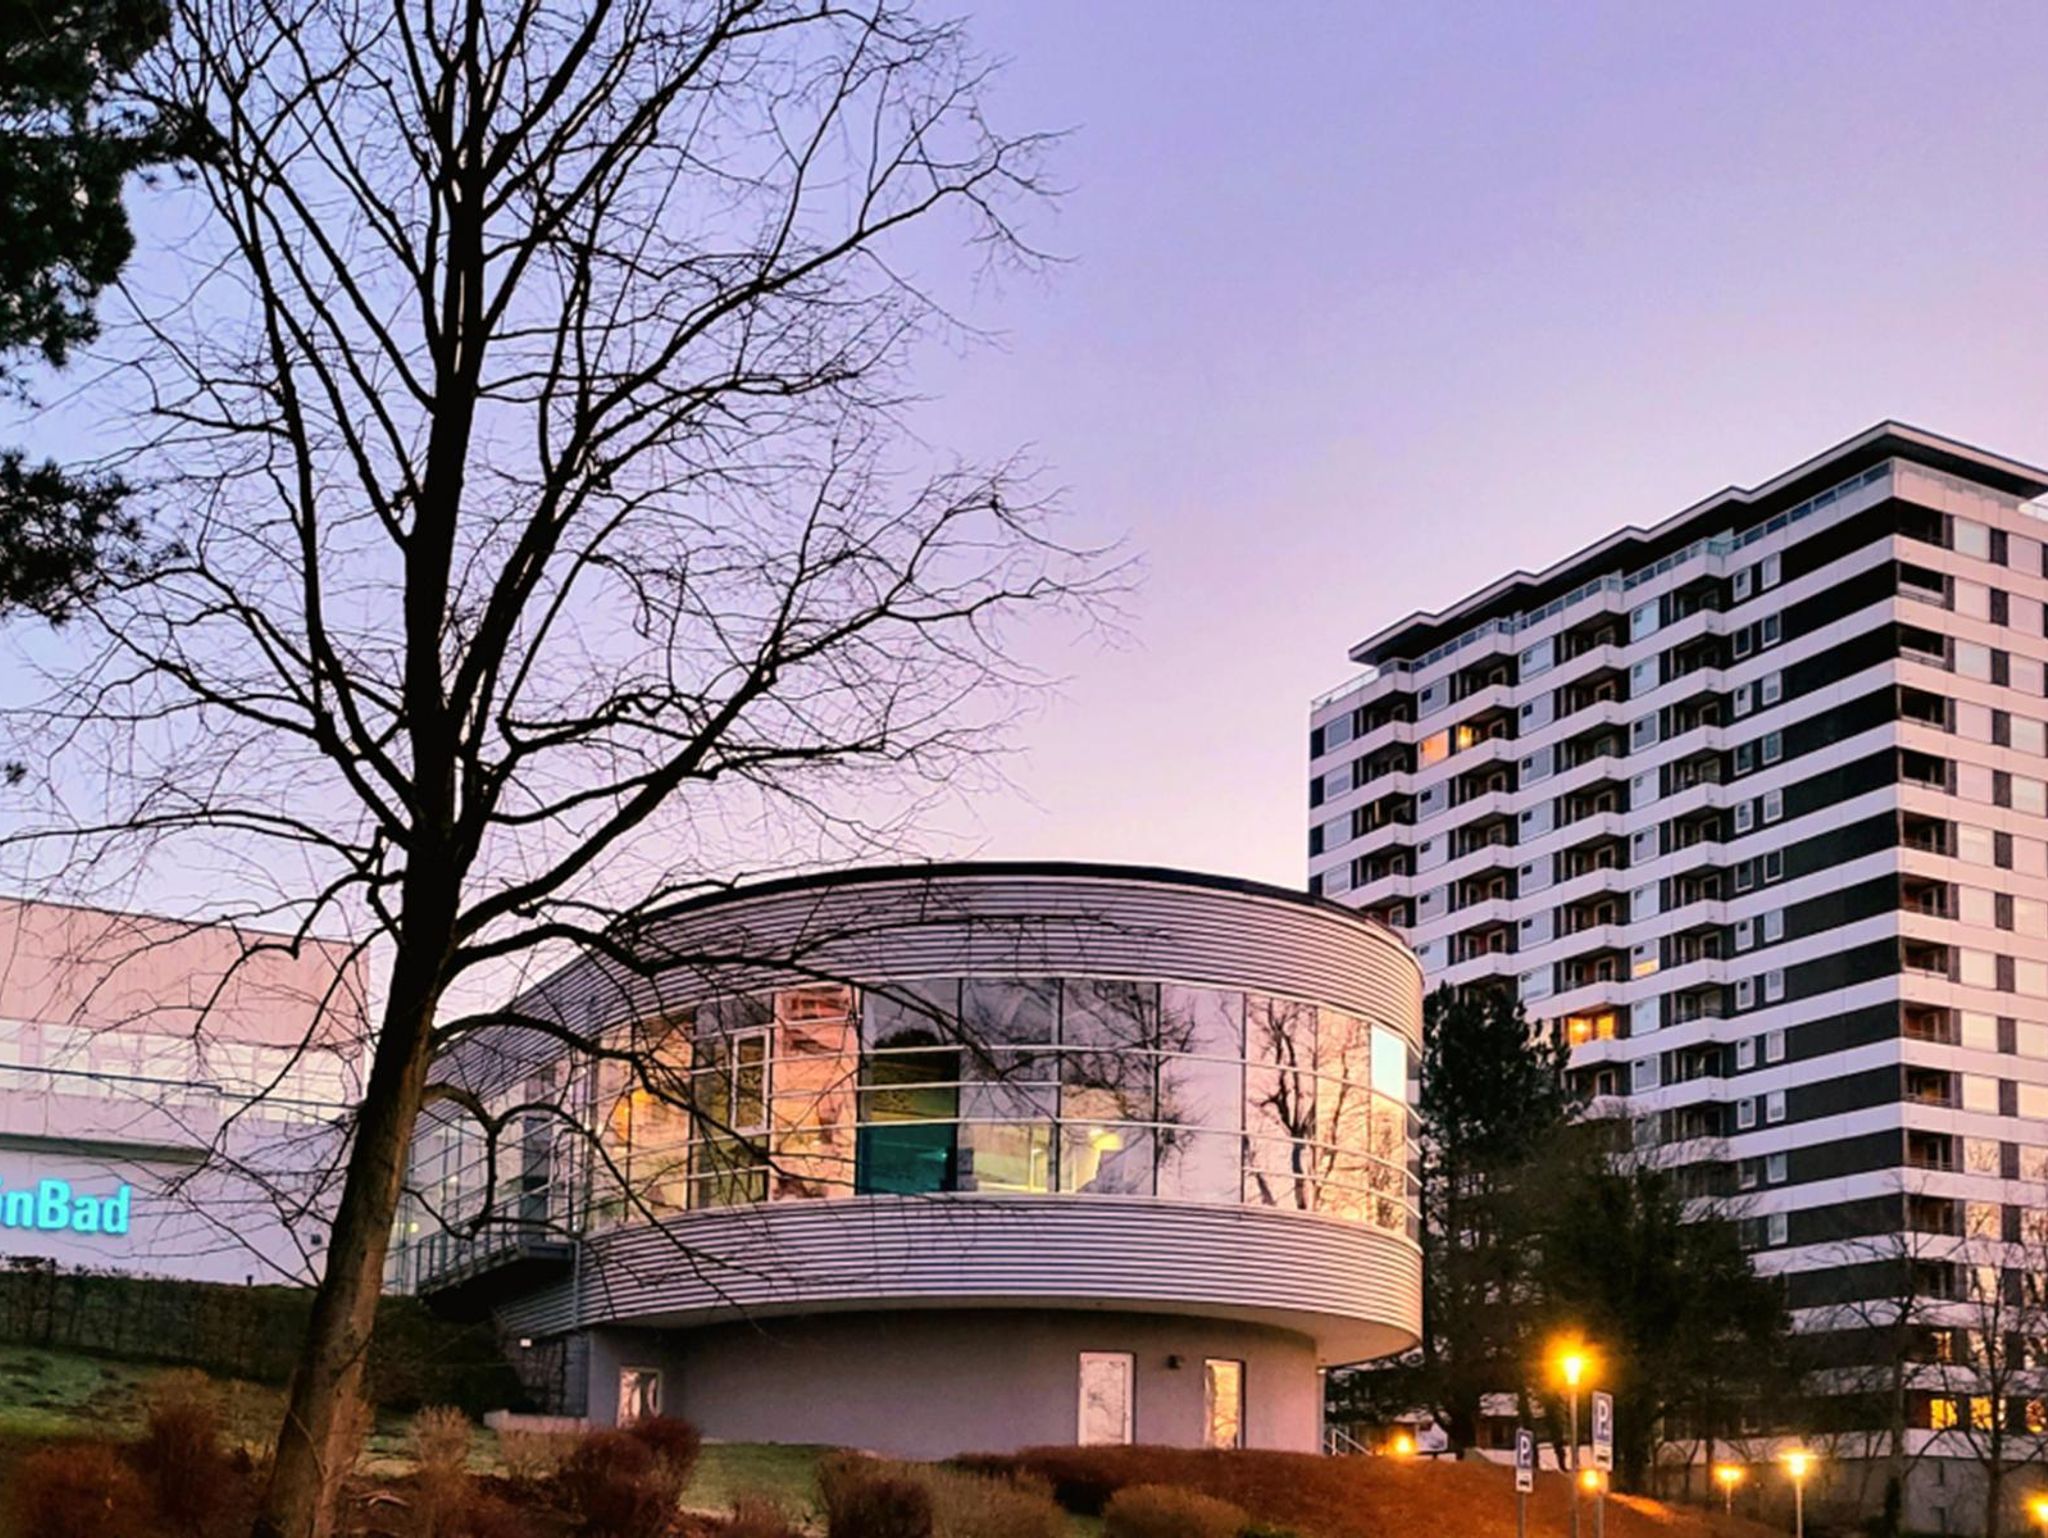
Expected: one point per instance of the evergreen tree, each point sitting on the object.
(67, 145)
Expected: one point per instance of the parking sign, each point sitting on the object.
(1525, 1459)
(1603, 1430)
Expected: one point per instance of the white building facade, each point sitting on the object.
(1753, 804)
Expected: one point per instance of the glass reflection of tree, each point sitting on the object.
(1281, 1037)
(1109, 1074)
(816, 1065)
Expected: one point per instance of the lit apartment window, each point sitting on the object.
(1774, 1106)
(1774, 986)
(1774, 1046)
(1774, 925)
(1774, 805)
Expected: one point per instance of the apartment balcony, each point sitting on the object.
(1923, 585)
(1934, 1151)
(1929, 1087)
(1922, 1022)
(1925, 959)
(1926, 835)
(1927, 771)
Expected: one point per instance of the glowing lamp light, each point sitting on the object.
(1572, 1363)
(1403, 1445)
(1798, 1463)
(2037, 1508)
(1728, 1475)
(1589, 1481)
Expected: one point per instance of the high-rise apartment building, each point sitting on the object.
(1753, 804)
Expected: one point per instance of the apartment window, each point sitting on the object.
(1745, 816)
(1772, 688)
(1745, 992)
(1770, 629)
(1222, 1402)
(1774, 925)
(1743, 584)
(1774, 805)
(1745, 1053)
(1739, 702)
(1745, 1114)
(1774, 1046)
(1776, 1229)
(1774, 864)
(1774, 1106)
(1643, 1074)
(1745, 1174)
(1745, 875)
(1745, 934)
(1774, 747)
(1745, 757)
(1745, 641)
(1774, 1169)
(1106, 1401)
(1767, 573)
(1774, 985)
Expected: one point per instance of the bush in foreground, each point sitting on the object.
(180, 1456)
(615, 1488)
(866, 1499)
(1167, 1511)
(675, 1445)
(78, 1490)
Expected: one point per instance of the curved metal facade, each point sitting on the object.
(1353, 1290)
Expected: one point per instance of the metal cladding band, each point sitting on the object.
(902, 923)
(1342, 1284)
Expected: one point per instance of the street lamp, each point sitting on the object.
(1798, 1463)
(1728, 1476)
(1573, 1362)
(2037, 1508)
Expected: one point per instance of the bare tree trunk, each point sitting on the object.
(332, 1359)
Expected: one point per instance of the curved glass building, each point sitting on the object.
(1008, 1154)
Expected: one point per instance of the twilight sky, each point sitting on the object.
(1370, 303)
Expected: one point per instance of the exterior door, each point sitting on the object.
(1106, 1398)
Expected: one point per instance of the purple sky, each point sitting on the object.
(1370, 303)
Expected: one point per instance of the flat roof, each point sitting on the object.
(1630, 547)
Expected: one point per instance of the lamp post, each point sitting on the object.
(1594, 1483)
(1571, 1366)
(1799, 1463)
(1728, 1476)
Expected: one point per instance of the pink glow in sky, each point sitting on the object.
(1371, 303)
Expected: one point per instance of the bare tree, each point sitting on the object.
(1985, 1345)
(529, 418)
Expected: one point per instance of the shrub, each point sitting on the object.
(180, 1456)
(77, 1490)
(968, 1505)
(533, 1456)
(438, 1439)
(864, 1499)
(758, 1516)
(674, 1443)
(614, 1487)
(1167, 1511)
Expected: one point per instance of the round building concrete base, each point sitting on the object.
(930, 1383)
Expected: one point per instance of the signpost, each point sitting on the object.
(1603, 1456)
(1525, 1477)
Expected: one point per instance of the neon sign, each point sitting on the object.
(51, 1206)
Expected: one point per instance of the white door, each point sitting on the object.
(1106, 1379)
